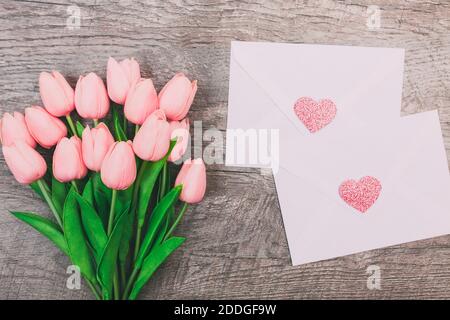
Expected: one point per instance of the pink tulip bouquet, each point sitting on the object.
(114, 203)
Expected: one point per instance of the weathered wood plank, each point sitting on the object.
(236, 245)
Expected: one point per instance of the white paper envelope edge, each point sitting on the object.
(267, 78)
(244, 122)
(413, 205)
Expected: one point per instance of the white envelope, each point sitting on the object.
(406, 155)
(267, 78)
(367, 137)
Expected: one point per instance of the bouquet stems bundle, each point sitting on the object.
(109, 187)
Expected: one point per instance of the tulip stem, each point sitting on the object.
(124, 120)
(95, 122)
(137, 184)
(75, 186)
(116, 286)
(71, 125)
(138, 242)
(177, 220)
(163, 182)
(112, 211)
(94, 290)
(41, 183)
(110, 228)
(130, 283)
(123, 277)
(136, 129)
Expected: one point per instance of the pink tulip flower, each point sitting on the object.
(91, 99)
(152, 141)
(193, 178)
(68, 162)
(141, 101)
(118, 170)
(56, 94)
(120, 77)
(25, 163)
(13, 128)
(95, 144)
(180, 131)
(46, 129)
(176, 97)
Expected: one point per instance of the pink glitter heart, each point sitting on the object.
(315, 115)
(361, 194)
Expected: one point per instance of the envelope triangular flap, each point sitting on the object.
(383, 151)
(344, 74)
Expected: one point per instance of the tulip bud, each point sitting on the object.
(118, 170)
(56, 94)
(46, 129)
(91, 99)
(141, 101)
(120, 77)
(180, 131)
(95, 145)
(152, 141)
(193, 178)
(68, 162)
(13, 128)
(176, 97)
(25, 163)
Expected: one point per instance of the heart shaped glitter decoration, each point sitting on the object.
(361, 194)
(315, 115)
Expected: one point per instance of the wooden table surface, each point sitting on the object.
(236, 245)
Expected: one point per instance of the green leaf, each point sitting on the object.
(107, 266)
(126, 239)
(37, 190)
(76, 241)
(118, 130)
(59, 193)
(171, 211)
(93, 226)
(88, 192)
(80, 129)
(149, 176)
(45, 226)
(155, 221)
(124, 201)
(102, 197)
(163, 228)
(151, 263)
(146, 186)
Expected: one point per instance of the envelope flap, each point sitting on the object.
(255, 61)
(352, 77)
(385, 152)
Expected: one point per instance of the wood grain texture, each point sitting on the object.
(236, 245)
